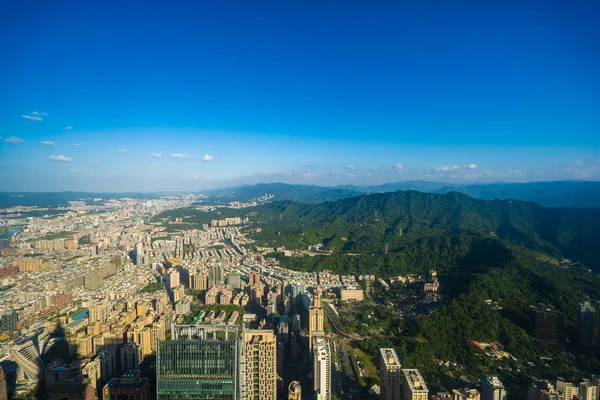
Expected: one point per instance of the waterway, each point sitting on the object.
(13, 230)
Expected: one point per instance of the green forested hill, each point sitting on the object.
(366, 224)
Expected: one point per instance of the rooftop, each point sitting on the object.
(390, 358)
(415, 380)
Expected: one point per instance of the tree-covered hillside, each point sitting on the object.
(369, 224)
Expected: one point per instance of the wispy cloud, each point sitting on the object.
(207, 158)
(97, 162)
(48, 143)
(156, 155)
(472, 166)
(121, 151)
(13, 140)
(179, 156)
(68, 128)
(32, 117)
(349, 167)
(76, 144)
(60, 158)
(398, 166)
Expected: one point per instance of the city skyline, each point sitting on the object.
(319, 94)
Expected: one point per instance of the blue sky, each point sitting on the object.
(308, 92)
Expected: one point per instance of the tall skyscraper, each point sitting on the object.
(390, 372)
(585, 325)
(260, 364)
(316, 327)
(294, 391)
(322, 369)
(414, 385)
(492, 388)
(200, 362)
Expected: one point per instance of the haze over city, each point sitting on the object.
(132, 96)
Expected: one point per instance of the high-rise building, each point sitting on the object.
(492, 388)
(131, 386)
(3, 385)
(316, 327)
(199, 281)
(465, 394)
(585, 325)
(294, 391)
(9, 321)
(260, 364)
(390, 372)
(254, 278)
(542, 390)
(131, 356)
(322, 369)
(587, 390)
(548, 324)
(414, 385)
(566, 389)
(283, 330)
(215, 275)
(142, 336)
(139, 254)
(200, 362)
(178, 293)
(234, 280)
(172, 279)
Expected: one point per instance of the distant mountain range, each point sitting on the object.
(581, 194)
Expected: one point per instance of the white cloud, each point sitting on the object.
(13, 140)
(36, 113)
(60, 158)
(156, 155)
(76, 144)
(179, 156)
(44, 114)
(121, 151)
(48, 143)
(33, 117)
(349, 167)
(472, 166)
(398, 166)
(445, 168)
(207, 158)
(68, 128)
(97, 162)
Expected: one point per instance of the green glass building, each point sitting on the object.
(201, 364)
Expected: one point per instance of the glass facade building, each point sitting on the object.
(203, 366)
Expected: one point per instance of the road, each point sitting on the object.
(347, 381)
